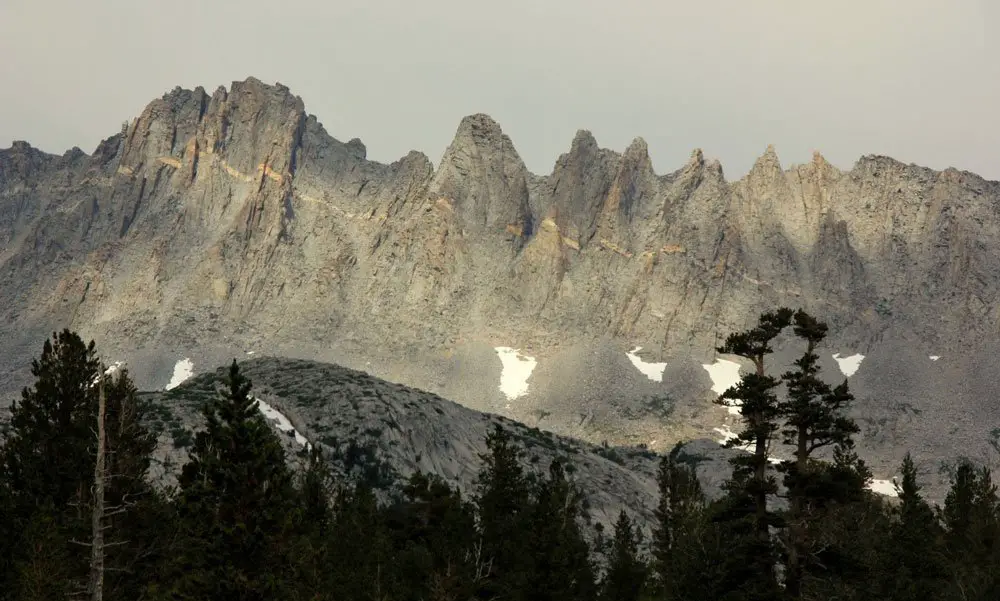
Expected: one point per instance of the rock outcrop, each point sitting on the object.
(403, 430)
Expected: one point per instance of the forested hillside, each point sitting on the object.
(79, 516)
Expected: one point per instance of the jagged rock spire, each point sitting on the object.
(483, 178)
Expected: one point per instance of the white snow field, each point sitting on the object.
(183, 370)
(517, 369)
(724, 374)
(282, 422)
(653, 371)
(849, 365)
(934, 357)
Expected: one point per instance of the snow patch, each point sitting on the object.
(934, 357)
(653, 371)
(251, 352)
(183, 370)
(883, 487)
(724, 374)
(282, 422)
(849, 365)
(517, 369)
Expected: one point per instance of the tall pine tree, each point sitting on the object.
(560, 567)
(627, 572)
(47, 467)
(502, 499)
(236, 505)
(679, 512)
(914, 566)
(752, 483)
(813, 416)
(971, 519)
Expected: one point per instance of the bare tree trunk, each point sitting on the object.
(97, 519)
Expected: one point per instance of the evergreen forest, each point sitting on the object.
(79, 518)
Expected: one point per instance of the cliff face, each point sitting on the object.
(223, 223)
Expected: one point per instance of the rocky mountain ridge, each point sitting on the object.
(215, 224)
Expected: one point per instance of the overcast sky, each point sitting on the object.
(915, 79)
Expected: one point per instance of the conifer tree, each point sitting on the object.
(314, 527)
(914, 566)
(361, 561)
(813, 416)
(236, 503)
(756, 397)
(315, 491)
(502, 499)
(971, 519)
(432, 531)
(48, 464)
(8, 530)
(45, 455)
(627, 572)
(560, 568)
(126, 494)
(45, 462)
(678, 512)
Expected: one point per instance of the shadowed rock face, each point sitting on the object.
(216, 224)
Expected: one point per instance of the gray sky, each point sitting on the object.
(915, 79)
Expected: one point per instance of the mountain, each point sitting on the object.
(220, 224)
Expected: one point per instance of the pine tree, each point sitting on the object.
(756, 397)
(45, 455)
(813, 416)
(971, 519)
(236, 504)
(678, 513)
(915, 567)
(431, 529)
(131, 504)
(122, 447)
(361, 562)
(502, 498)
(8, 531)
(45, 462)
(45, 565)
(316, 487)
(560, 568)
(626, 573)
(313, 525)
(48, 466)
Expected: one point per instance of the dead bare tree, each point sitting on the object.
(100, 512)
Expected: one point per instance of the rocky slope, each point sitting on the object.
(217, 224)
(375, 429)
